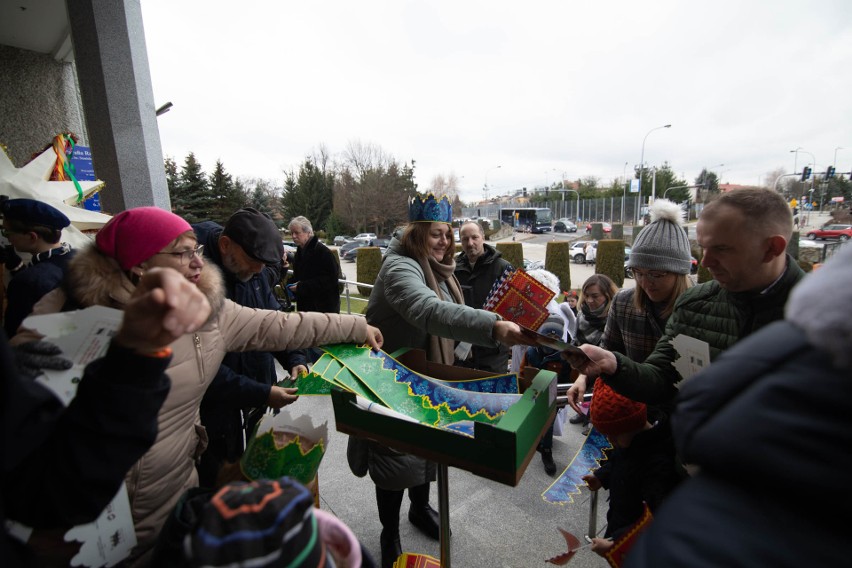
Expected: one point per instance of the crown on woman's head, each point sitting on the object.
(430, 210)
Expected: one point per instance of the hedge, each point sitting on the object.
(369, 262)
(610, 260)
(557, 260)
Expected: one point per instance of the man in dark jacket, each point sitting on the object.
(32, 227)
(768, 425)
(315, 271)
(62, 466)
(478, 266)
(245, 249)
(744, 235)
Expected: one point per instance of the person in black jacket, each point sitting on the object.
(768, 427)
(478, 266)
(35, 228)
(315, 271)
(246, 249)
(62, 466)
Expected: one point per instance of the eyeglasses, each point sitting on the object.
(186, 256)
(650, 275)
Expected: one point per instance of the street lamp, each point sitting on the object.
(164, 109)
(642, 161)
(485, 192)
(796, 157)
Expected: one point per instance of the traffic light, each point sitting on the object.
(829, 173)
(806, 173)
(525, 192)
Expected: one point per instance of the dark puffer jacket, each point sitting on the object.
(476, 282)
(706, 312)
(769, 426)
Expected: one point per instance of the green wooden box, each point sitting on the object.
(500, 452)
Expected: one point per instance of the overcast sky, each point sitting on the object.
(537, 88)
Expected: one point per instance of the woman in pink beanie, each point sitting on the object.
(105, 274)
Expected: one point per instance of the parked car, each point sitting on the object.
(539, 229)
(365, 237)
(564, 227)
(607, 228)
(578, 251)
(341, 240)
(349, 247)
(835, 231)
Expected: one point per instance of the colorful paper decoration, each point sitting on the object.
(430, 210)
(518, 297)
(412, 560)
(422, 398)
(285, 445)
(617, 555)
(31, 182)
(573, 546)
(587, 458)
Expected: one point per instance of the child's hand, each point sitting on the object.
(602, 545)
(593, 482)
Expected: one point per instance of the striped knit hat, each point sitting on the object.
(260, 523)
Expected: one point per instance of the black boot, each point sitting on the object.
(389, 502)
(547, 460)
(421, 514)
(391, 548)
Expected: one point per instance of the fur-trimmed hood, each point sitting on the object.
(96, 279)
(820, 306)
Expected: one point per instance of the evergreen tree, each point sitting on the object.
(227, 196)
(194, 202)
(309, 194)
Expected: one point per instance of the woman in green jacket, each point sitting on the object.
(417, 303)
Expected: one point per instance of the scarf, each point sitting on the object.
(591, 324)
(441, 348)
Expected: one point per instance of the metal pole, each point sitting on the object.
(593, 515)
(642, 163)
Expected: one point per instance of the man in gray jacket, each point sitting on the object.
(477, 267)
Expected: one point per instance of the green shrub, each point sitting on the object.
(512, 252)
(369, 262)
(636, 230)
(610, 260)
(793, 245)
(597, 231)
(557, 259)
(617, 232)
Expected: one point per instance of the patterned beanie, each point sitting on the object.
(662, 245)
(135, 235)
(259, 523)
(612, 414)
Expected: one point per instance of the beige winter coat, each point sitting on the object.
(159, 478)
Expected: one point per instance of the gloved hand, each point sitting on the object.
(10, 258)
(34, 356)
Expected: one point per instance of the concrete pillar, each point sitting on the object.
(115, 85)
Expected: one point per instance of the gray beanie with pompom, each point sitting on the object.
(662, 245)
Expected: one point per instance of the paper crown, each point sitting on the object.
(430, 210)
(285, 446)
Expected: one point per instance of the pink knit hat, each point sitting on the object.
(135, 235)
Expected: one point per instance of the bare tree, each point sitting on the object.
(445, 185)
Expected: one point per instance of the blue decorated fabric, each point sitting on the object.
(588, 457)
(430, 210)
